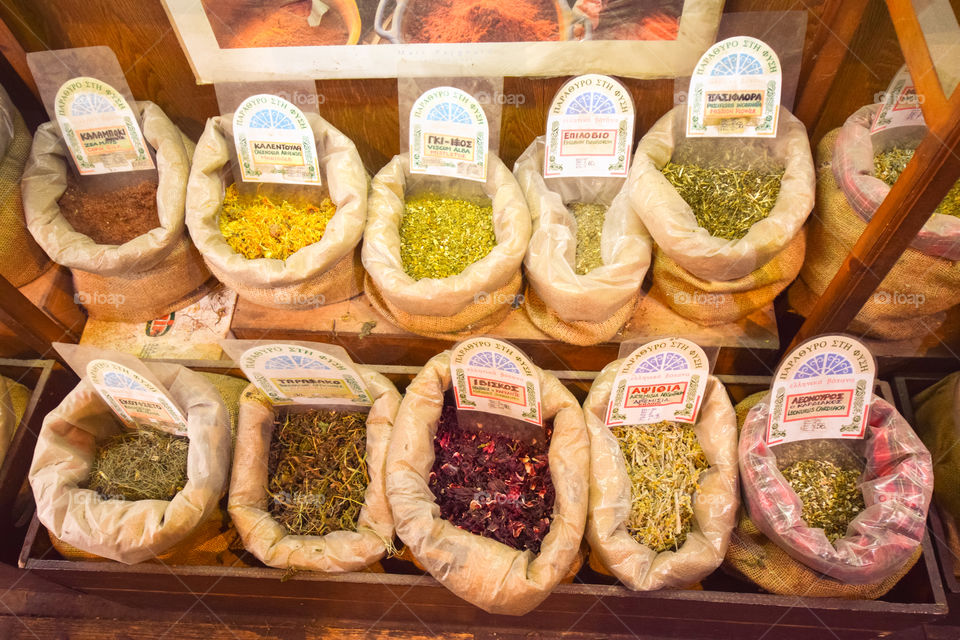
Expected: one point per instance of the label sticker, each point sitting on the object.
(735, 91)
(495, 377)
(274, 142)
(449, 135)
(100, 128)
(901, 106)
(822, 389)
(136, 400)
(589, 129)
(664, 380)
(291, 374)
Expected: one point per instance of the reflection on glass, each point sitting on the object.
(938, 20)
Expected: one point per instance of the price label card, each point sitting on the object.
(664, 380)
(901, 106)
(292, 374)
(495, 377)
(735, 91)
(136, 400)
(274, 142)
(449, 135)
(589, 129)
(99, 128)
(822, 389)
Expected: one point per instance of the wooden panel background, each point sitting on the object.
(156, 69)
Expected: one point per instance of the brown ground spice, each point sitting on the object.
(112, 218)
(481, 21)
(273, 27)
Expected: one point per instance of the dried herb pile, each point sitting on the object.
(258, 227)
(726, 202)
(830, 495)
(113, 218)
(318, 471)
(440, 237)
(492, 485)
(664, 462)
(589, 219)
(888, 165)
(145, 464)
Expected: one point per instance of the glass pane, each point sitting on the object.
(938, 19)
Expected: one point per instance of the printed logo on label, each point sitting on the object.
(495, 377)
(449, 135)
(135, 400)
(291, 374)
(274, 142)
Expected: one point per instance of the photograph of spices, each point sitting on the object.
(664, 463)
(638, 19)
(145, 464)
(481, 21)
(888, 165)
(831, 496)
(239, 24)
(440, 237)
(589, 219)
(492, 485)
(318, 471)
(726, 202)
(261, 227)
(113, 218)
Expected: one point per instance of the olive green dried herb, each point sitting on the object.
(145, 464)
(589, 219)
(318, 471)
(664, 462)
(888, 165)
(726, 202)
(831, 496)
(440, 237)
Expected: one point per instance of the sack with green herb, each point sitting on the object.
(862, 514)
(588, 253)
(303, 514)
(142, 278)
(82, 434)
(866, 166)
(13, 404)
(21, 259)
(324, 272)
(443, 255)
(486, 571)
(654, 527)
(726, 215)
(913, 296)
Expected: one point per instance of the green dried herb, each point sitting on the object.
(145, 464)
(726, 202)
(440, 237)
(888, 165)
(831, 496)
(589, 219)
(664, 462)
(318, 471)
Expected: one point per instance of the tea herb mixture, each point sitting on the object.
(492, 485)
(258, 227)
(888, 165)
(726, 202)
(830, 495)
(318, 471)
(113, 218)
(145, 464)
(589, 219)
(664, 462)
(440, 237)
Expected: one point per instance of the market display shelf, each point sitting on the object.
(52, 293)
(722, 606)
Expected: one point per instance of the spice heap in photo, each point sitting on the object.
(145, 464)
(481, 21)
(440, 237)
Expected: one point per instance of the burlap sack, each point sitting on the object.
(163, 273)
(566, 306)
(21, 258)
(322, 273)
(935, 412)
(853, 170)
(335, 552)
(486, 573)
(13, 403)
(465, 304)
(714, 506)
(754, 557)
(910, 300)
(712, 302)
(128, 531)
